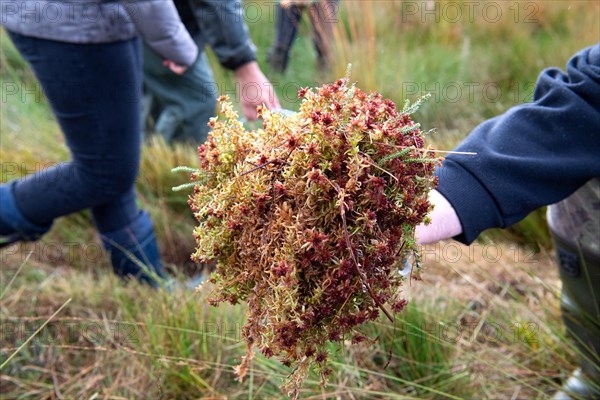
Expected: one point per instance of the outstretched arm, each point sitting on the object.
(533, 155)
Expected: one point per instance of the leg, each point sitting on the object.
(287, 20)
(187, 102)
(580, 304)
(200, 93)
(323, 15)
(133, 247)
(146, 113)
(94, 91)
(575, 230)
(168, 116)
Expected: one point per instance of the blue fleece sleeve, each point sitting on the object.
(533, 155)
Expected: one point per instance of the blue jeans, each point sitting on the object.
(94, 91)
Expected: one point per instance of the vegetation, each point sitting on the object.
(310, 218)
(483, 323)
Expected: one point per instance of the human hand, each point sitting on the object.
(444, 221)
(255, 90)
(175, 68)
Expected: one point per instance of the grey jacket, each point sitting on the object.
(103, 21)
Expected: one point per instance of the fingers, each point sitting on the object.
(268, 99)
(175, 68)
(249, 110)
(275, 104)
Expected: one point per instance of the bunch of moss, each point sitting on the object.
(310, 218)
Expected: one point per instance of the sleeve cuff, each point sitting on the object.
(242, 57)
(474, 205)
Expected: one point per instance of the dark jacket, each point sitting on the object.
(220, 24)
(533, 155)
(102, 21)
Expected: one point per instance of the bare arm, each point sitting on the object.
(444, 221)
(255, 89)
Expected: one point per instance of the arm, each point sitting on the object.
(533, 155)
(222, 25)
(158, 23)
(255, 89)
(444, 221)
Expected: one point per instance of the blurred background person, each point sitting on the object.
(288, 15)
(91, 72)
(182, 105)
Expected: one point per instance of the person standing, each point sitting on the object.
(288, 16)
(182, 105)
(87, 57)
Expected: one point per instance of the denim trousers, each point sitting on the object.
(94, 91)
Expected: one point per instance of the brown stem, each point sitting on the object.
(361, 272)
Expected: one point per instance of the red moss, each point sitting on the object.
(308, 219)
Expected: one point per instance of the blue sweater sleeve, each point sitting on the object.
(533, 155)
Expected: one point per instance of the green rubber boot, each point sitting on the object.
(574, 224)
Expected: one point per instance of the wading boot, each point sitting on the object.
(14, 226)
(575, 227)
(134, 252)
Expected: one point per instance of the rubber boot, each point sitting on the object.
(278, 59)
(14, 226)
(134, 252)
(580, 306)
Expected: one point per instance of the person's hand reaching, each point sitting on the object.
(175, 68)
(255, 90)
(444, 221)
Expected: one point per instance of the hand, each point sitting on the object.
(444, 221)
(255, 90)
(176, 68)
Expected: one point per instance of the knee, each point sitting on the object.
(124, 177)
(104, 182)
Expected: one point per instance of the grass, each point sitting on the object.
(483, 323)
(471, 328)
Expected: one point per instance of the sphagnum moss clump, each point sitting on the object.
(309, 219)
